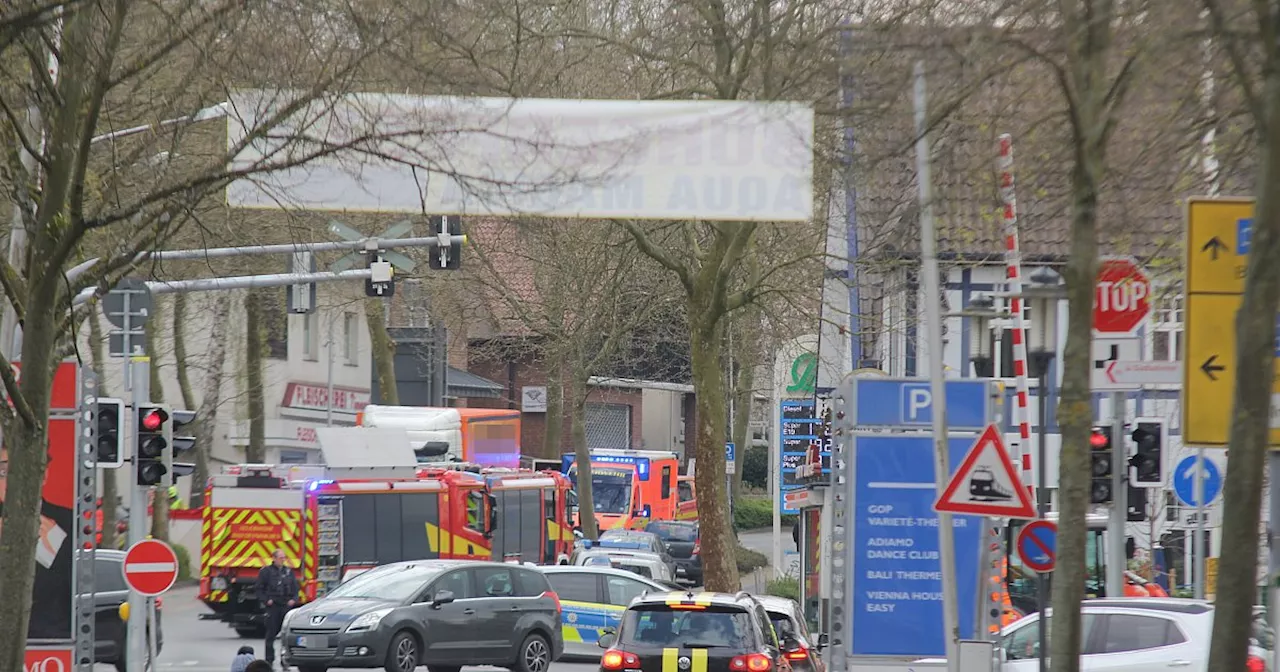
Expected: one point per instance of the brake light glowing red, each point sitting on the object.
(752, 662)
(617, 659)
(798, 654)
(1256, 664)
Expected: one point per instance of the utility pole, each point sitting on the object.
(931, 286)
(1119, 498)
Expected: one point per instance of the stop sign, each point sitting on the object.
(150, 567)
(1121, 298)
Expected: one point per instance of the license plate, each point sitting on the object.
(302, 642)
(680, 570)
(218, 583)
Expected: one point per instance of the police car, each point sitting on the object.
(592, 600)
(693, 632)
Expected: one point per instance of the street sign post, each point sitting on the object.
(1038, 545)
(300, 299)
(908, 403)
(1217, 247)
(1132, 375)
(730, 465)
(150, 567)
(1122, 296)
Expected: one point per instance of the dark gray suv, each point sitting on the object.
(439, 613)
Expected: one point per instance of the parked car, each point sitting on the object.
(800, 648)
(441, 613)
(648, 540)
(593, 599)
(109, 592)
(683, 542)
(1129, 635)
(641, 563)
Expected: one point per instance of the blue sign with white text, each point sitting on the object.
(897, 571)
(1244, 235)
(728, 452)
(800, 429)
(1185, 476)
(909, 403)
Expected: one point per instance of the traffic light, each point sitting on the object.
(110, 434)
(1148, 460)
(1100, 463)
(182, 445)
(446, 257)
(151, 453)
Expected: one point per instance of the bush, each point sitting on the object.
(749, 560)
(184, 562)
(753, 513)
(755, 467)
(786, 586)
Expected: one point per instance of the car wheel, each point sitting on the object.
(402, 654)
(251, 632)
(535, 655)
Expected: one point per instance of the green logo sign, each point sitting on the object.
(804, 374)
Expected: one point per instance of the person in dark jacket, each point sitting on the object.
(795, 534)
(278, 593)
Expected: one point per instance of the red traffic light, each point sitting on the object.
(154, 419)
(1099, 439)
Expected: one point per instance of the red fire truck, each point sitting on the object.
(333, 528)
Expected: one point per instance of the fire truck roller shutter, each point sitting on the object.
(505, 538)
(378, 528)
(359, 535)
(416, 510)
(531, 525)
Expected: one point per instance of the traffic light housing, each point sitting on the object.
(1100, 465)
(181, 444)
(152, 452)
(1149, 438)
(448, 258)
(109, 433)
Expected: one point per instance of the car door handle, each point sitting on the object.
(469, 611)
(1180, 663)
(516, 607)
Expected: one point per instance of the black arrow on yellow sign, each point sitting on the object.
(1210, 368)
(1214, 247)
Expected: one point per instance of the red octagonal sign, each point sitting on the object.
(1121, 298)
(150, 567)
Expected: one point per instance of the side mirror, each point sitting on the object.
(607, 638)
(823, 640)
(442, 598)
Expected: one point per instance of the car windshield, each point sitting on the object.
(673, 531)
(657, 626)
(393, 584)
(610, 488)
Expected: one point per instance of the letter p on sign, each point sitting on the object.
(917, 400)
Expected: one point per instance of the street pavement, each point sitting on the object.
(192, 645)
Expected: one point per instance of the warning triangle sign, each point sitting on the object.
(986, 484)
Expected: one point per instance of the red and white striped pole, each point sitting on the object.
(1013, 271)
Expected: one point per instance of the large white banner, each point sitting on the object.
(618, 159)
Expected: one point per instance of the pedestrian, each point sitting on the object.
(258, 666)
(278, 593)
(243, 657)
(795, 534)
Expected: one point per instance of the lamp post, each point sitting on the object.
(980, 311)
(1042, 295)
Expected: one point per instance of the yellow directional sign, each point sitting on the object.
(1217, 249)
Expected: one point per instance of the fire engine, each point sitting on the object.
(333, 526)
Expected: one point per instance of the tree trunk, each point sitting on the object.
(105, 476)
(719, 548)
(201, 474)
(384, 351)
(1250, 434)
(578, 425)
(27, 443)
(211, 397)
(160, 499)
(256, 452)
(555, 414)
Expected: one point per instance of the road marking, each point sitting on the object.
(147, 567)
(892, 485)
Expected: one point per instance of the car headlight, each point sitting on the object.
(284, 625)
(368, 621)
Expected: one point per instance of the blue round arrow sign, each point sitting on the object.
(1185, 476)
(1038, 545)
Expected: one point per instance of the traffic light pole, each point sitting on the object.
(137, 377)
(1116, 564)
(1201, 548)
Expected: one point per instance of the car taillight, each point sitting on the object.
(1255, 664)
(554, 598)
(617, 659)
(697, 547)
(752, 662)
(798, 654)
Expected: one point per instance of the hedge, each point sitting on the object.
(752, 513)
(749, 560)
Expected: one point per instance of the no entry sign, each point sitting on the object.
(1122, 296)
(150, 567)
